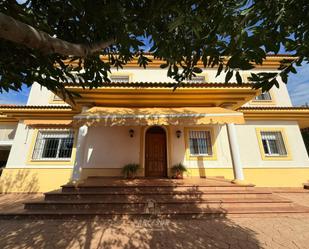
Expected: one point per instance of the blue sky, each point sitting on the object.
(298, 86)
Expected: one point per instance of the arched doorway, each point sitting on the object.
(155, 152)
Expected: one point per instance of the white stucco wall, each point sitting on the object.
(111, 147)
(178, 148)
(7, 132)
(20, 147)
(250, 151)
(41, 96)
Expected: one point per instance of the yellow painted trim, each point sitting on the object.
(284, 137)
(13, 122)
(33, 180)
(189, 157)
(30, 161)
(279, 177)
(123, 74)
(163, 97)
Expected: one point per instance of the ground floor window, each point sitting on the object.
(200, 143)
(273, 143)
(53, 145)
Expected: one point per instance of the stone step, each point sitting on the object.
(157, 189)
(157, 196)
(161, 206)
(205, 213)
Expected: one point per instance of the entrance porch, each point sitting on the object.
(203, 139)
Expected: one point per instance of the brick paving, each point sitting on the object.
(291, 231)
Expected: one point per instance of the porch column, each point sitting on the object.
(234, 147)
(80, 152)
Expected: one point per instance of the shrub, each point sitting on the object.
(130, 170)
(178, 170)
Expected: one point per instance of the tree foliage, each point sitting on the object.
(181, 33)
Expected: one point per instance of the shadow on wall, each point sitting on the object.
(305, 134)
(22, 181)
(120, 233)
(201, 168)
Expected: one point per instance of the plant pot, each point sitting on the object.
(130, 175)
(178, 175)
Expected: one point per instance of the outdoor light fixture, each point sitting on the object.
(178, 133)
(131, 132)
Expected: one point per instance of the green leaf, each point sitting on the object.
(164, 65)
(238, 78)
(228, 76)
(197, 70)
(293, 70)
(219, 69)
(284, 77)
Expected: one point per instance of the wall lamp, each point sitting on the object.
(178, 133)
(131, 132)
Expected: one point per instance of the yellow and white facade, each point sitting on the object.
(214, 129)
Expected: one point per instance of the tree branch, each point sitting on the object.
(18, 32)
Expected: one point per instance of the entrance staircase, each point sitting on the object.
(164, 197)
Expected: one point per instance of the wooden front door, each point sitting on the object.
(155, 152)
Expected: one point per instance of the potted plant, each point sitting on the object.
(130, 170)
(178, 170)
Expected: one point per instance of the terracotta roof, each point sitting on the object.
(268, 55)
(167, 85)
(269, 108)
(49, 107)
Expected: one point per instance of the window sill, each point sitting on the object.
(202, 158)
(51, 162)
(277, 158)
(262, 102)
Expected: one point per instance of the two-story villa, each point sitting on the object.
(214, 129)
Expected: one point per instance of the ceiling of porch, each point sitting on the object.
(230, 96)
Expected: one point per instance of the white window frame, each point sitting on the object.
(195, 79)
(268, 93)
(37, 155)
(210, 146)
(119, 76)
(278, 143)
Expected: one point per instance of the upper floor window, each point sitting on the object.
(197, 79)
(7, 132)
(56, 98)
(200, 143)
(273, 143)
(120, 78)
(263, 96)
(53, 145)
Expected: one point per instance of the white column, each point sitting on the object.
(234, 147)
(80, 152)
